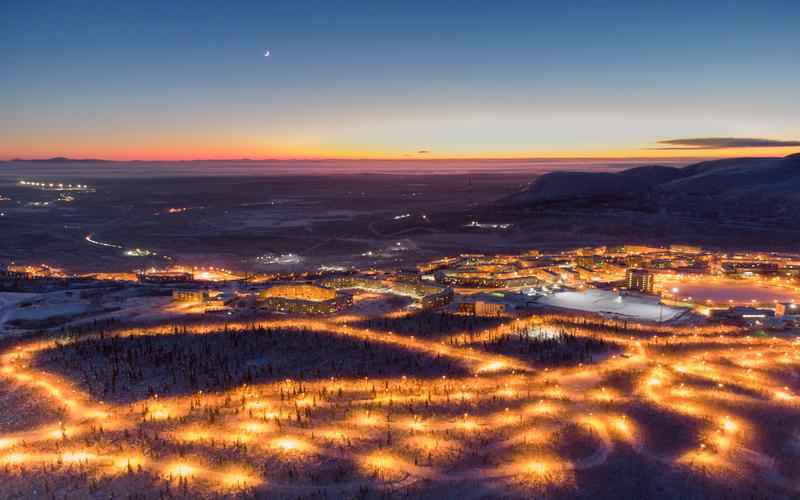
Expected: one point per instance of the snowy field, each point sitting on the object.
(20, 312)
(8, 299)
(610, 303)
(8, 303)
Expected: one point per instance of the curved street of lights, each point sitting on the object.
(402, 432)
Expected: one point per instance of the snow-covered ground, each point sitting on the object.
(638, 307)
(8, 299)
(8, 303)
(31, 311)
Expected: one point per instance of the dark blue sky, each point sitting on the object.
(188, 79)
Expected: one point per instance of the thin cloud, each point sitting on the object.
(724, 143)
(423, 151)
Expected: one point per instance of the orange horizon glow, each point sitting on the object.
(310, 154)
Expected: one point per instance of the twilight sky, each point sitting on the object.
(399, 79)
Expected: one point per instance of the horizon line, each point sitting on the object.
(56, 159)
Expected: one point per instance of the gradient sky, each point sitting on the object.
(396, 79)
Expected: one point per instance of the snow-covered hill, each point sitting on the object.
(746, 181)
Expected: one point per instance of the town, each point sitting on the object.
(678, 284)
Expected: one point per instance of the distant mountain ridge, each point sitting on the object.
(61, 159)
(724, 179)
(758, 193)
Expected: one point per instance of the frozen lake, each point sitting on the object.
(610, 303)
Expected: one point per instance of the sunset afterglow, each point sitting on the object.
(187, 80)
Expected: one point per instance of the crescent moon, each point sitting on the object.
(266, 54)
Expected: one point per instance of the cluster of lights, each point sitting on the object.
(55, 186)
(139, 252)
(485, 225)
(279, 259)
(327, 268)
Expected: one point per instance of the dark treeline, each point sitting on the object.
(556, 346)
(130, 367)
(431, 324)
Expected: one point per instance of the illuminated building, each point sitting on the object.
(12, 273)
(467, 308)
(114, 276)
(634, 260)
(215, 305)
(639, 280)
(42, 271)
(301, 291)
(303, 298)
(787, 309)
(481, 308)
(492, 276)
(437, 264)
(585, 274)
(189, 296)
(661, 263)
(685, 249)
(210, 300)
(625, 250)
(589, 251)
(547, 276)
(437, 299)
(429, 296)
(743, 313)
(570, 277)
(746, 269)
